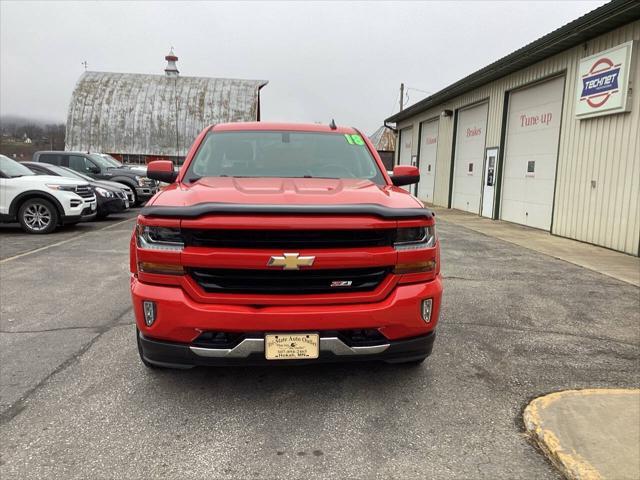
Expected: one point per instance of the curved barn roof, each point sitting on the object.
(153, 114)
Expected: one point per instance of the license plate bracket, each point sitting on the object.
(291, 346)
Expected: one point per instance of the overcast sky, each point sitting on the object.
(323, 60)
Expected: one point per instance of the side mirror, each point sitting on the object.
(162, 170)
(94, 169)
(405, 175)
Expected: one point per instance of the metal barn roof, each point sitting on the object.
(384, 140)
(153, 114)
(601, 20)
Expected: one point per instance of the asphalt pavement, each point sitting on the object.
(515, 324)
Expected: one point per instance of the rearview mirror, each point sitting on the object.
(405, 175)
(162, 170)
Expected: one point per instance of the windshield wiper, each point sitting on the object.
(194, 179)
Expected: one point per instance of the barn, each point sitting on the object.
(141, 117)
(384, 141)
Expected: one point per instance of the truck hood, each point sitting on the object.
(49, 179)
(284, 191)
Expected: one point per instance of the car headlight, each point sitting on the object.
(104, 193)
(159, 238)
(66, 188)
(414, 238)
(144, 181)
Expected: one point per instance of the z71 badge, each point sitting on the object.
(341, 283)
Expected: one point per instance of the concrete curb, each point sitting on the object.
(570, 462)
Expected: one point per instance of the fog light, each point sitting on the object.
(149, 312)
(426, 310)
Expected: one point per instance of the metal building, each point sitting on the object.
(547, 136)
(137, 117)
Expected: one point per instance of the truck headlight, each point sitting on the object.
(140, 181)
(66, 188)
(103, 193)
(414, 238)
(159, 238)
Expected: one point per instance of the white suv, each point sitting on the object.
(42, 202)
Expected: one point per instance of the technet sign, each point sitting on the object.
(603, 82)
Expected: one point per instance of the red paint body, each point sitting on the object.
(185, 310)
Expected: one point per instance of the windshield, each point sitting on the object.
(110, 159)
(103, 162)
(284, 154)
(13, 169)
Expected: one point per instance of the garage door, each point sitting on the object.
(467, 173)
(406, 142)
(531, 153)
(428, 150)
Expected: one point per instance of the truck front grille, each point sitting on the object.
(84, 191)
(288, 282)
(289, 239)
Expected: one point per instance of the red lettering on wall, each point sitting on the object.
(473, 132)
(431, 140)
(531, 120)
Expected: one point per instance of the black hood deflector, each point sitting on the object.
(218, 208)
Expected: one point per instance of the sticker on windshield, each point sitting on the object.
(354, 139)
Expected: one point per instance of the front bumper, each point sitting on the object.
(146, 192)
(251, 352)
(181, 319)
(110, 205)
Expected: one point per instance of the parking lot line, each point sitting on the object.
(62, 242)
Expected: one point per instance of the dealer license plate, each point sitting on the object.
(291, 346)
(126, 204)
(93, 206)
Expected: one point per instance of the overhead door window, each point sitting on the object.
(531, 152)
(469, 158)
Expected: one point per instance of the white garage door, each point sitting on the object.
(531, 153)
(406, 143)
(428, 151)
(467, 172)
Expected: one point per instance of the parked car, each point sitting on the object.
(99, 168)
(110, 199)
(284, 243)
(130, 196)
(40, 203)
(140, 169)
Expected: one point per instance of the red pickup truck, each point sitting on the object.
(284, 244)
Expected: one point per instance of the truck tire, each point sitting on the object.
(37, 215)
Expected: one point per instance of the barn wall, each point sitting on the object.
(153, 114)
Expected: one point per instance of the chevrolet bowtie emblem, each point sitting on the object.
(290, 261)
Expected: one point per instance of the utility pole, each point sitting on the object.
(401, 96)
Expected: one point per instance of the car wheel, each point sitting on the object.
(38, 215)
(142, 359)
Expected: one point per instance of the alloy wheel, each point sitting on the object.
(37, 216)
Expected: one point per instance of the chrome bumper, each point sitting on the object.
(250, 346)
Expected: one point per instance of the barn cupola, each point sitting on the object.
(171, 70)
